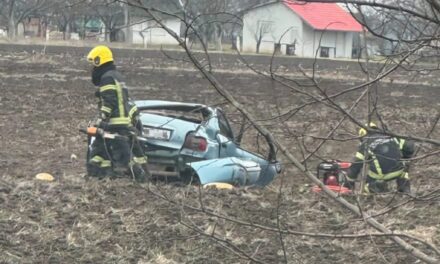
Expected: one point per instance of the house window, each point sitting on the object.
(290, 49)
(324, 52)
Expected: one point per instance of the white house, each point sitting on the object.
(149, 33)
(303, 29)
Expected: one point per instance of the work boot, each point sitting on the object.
(403, 185)
(107, 172)
(93, 169)
(119, 171)
(148, 174)
(377, 187)
(139, 173)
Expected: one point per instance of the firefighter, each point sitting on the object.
(384, 156)
(117, 115)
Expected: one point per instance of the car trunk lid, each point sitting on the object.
(166, 131)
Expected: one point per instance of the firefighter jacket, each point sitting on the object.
(383, 155)
(114, 101)
(134, 116)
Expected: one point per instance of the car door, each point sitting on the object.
(234, 165)
(228, 148)
(225, 137)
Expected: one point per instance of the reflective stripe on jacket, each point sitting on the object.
(383, 154)
(114, 99)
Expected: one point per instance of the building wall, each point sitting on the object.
(349, 44)
(328, 40)
(147, 33)
(310, 43)
(340, 43)
(286, 27)
(285, 21)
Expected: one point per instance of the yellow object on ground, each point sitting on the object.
(219, 185)
(44, 177)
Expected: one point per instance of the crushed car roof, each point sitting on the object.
(178, 106)
(160, 103)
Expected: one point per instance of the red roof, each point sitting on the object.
(325, 16)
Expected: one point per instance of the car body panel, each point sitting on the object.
(222, 161)
(228, 170)
(178, 129)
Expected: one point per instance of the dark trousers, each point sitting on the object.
(378, 186)
(117, 155)
(108, 154)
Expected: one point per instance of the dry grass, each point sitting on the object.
(119, 221)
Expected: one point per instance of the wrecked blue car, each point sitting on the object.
(194, 142)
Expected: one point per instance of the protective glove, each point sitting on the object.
(101, 121)
(96, 122)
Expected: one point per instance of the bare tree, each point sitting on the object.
(111, 13)
(364, 105)
(17, 10)
(65, 13)
(215, 20)
(261, 32)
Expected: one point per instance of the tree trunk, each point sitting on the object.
(107, 31)
(112, 30)
(12, 27)
(218, 37)
(83, 29)
(205, 39)
(258, 46)
(127, 29)
(67, 31)
(113, 33)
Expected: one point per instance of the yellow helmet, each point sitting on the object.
(363, 132)
(99, 55)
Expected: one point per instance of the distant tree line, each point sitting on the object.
(214, 20)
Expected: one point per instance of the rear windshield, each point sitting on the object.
(190, 116)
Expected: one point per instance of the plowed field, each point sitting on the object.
(46, 98)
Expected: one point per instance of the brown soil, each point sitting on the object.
(46, 99)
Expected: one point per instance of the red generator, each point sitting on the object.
(334, 175)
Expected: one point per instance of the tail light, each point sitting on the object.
(195, 143)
